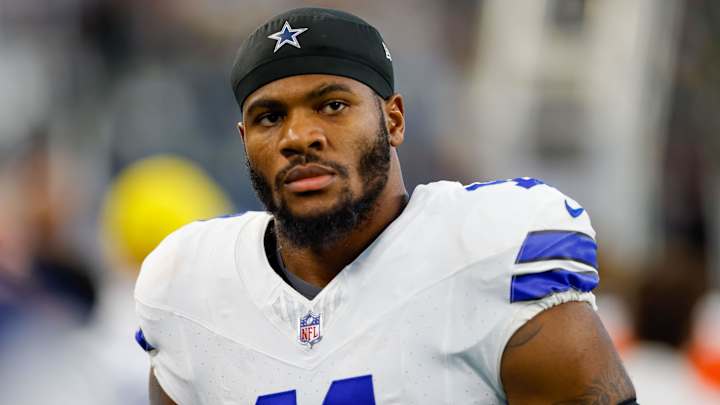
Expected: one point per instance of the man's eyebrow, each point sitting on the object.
(327, 88)
(266, 103)
(319, 92)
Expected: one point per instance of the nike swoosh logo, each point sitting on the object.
(574, 212)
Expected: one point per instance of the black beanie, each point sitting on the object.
(313, 41)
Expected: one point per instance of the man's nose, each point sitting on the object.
(302, 135)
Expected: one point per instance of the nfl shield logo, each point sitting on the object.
(310, 329)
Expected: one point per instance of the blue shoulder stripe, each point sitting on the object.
(140, 339)
(558, 245)
(533, 286)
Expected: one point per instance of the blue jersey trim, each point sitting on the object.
(558, 245)
(527, 183)
(528, 287)
(140, 339)
(524, 182)
(475, 186)
(278, 398)
(356, 391)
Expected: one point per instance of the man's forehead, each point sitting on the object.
(302, 85)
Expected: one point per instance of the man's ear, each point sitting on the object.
(395, 111)
(241, 130)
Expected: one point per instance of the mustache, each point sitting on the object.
(299, 160)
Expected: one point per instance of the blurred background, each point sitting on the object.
(117, 125)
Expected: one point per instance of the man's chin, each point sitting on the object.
(316, 225)
(304, 213)
(310, 205)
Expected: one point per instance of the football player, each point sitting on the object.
(347, 290)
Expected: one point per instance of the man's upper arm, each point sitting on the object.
(564, 356)
(155, 309)
(158, 396)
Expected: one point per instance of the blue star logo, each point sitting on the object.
(287, 35)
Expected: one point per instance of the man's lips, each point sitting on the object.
(309, 178)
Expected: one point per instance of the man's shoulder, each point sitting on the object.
(191, 251)
(512, 201)
(496, 215)
(186, 240)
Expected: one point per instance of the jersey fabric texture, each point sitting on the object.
(422, 316)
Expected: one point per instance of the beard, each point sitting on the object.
(322, 229)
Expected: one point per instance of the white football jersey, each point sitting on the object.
(422, 316)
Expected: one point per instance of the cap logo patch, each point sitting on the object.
(287, 35)
(387, 52)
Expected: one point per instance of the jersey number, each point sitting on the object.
(356, 391)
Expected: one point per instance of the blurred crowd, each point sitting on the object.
(118, 125)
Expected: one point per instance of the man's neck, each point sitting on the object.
(319, 265)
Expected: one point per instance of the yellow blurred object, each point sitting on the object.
(153, 197)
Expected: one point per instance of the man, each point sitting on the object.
(347, 291)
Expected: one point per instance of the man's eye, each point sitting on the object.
(333, 107)
(268, 119)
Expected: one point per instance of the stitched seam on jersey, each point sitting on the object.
(216, 332)
(158, 307)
